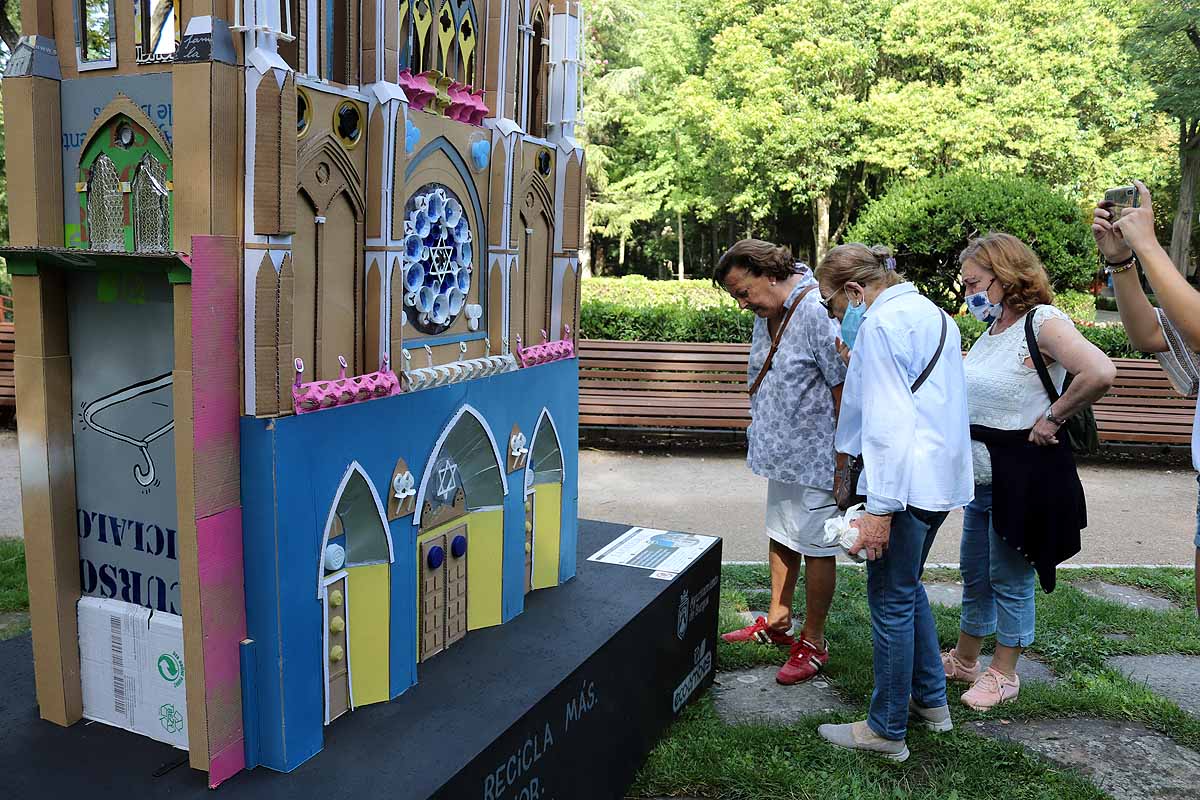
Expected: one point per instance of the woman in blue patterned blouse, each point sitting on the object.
(795, 377)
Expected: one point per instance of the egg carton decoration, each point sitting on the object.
(438, 257)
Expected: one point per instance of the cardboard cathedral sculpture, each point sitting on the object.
(296, 295)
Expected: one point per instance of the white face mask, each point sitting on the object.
(982, 307)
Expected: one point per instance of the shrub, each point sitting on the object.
(928, 222)
(638, 291)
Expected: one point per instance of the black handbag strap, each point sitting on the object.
(1035, 355)
(924, 376)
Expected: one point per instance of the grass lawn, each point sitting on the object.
(701, 756)
(14, 593)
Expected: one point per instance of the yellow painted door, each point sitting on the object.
(547, 528)
(370, 624)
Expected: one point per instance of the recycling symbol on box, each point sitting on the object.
(170, 667)
(170, 718)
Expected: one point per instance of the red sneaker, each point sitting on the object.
(761, 632)
(804, 662)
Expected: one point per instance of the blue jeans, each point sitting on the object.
(998, 583)
(908, 662)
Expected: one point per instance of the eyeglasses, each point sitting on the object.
(825, 301)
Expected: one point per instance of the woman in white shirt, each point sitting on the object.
(1028, 507)
(904, 410)
(1174, 331)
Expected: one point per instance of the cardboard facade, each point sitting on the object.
(386, 232)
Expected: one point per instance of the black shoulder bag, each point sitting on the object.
(846, 475)
(1082, 434)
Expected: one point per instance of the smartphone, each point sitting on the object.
(1118, 199)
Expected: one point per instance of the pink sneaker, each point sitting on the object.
(992, 689)
(957, 670)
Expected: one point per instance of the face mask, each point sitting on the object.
(982, 307)
(852, 321)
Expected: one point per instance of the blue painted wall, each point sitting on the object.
(291, 470)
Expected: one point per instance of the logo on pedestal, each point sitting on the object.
(681, 624)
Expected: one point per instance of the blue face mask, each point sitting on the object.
(982, 307)
(852, 321)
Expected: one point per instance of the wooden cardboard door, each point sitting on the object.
(337, 655)
(432, 587)
(456, 585)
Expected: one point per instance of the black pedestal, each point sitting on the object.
(562, 703)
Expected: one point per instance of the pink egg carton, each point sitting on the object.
(319, 395)
(417, 88)
(547, 351)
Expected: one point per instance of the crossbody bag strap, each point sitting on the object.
(762, 373)
(924, 376)
(1035, 355)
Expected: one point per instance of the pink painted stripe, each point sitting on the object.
(226, 764)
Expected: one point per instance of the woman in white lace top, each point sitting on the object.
(1004, 544)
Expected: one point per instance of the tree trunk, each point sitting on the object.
(679, 221)
(621, 252)
(821, 227)
(585, 255)
(1189, 176)
(8, 32)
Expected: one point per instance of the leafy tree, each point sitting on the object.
(927, 223)
(1166, 44)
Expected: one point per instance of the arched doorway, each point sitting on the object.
(543, 506)
(355, 592)
(460, 519)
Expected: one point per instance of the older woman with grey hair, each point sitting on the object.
(795, 377)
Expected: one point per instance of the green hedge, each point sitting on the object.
(693, 311)
(928, 222)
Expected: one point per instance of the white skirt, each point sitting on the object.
(796, 517)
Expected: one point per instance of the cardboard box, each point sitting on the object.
(132, 669)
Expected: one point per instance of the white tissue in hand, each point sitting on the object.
(838, 531)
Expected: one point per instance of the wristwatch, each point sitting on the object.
(1056, 420)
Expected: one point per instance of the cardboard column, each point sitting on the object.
(33, 143)
(43, 378)
(207, 398)
(37, 18)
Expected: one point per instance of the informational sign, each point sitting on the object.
(660, 551)
(122, 353)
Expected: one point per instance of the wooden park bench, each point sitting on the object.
(678, 387)
(8, 391)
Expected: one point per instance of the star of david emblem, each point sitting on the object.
(447, 482)
(440, 255)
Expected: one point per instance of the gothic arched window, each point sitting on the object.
(151, 217)
(105, 206)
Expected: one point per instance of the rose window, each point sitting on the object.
(437, 259)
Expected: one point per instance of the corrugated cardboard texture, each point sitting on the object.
(33, 138)
(223, 607)
(192, 108)
(498, 167)
(43, 382)
(399, 157)
(570, 304)
(516, 303)
(286, 370)
(493, 38)
(266, 339)
(391, 43)
(375, 167)
(267, 145)
(37, 18)
(571, 204)
(185, 502)
(228, 130)
(374, 318)
(287, 155)
(396, 341)
(496, 304)
(210, 553)
(215, 367)
(207, 150)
